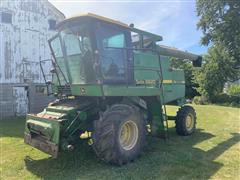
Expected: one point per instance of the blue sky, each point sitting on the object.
(175, 20)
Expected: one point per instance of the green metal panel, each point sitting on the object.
(146, 66)
(86, 90)
(155, 108)
(110, 90)
(178, 84)
(49, 128)
(178, 76)
(55, 110)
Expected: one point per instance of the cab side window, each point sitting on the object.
(112, 43)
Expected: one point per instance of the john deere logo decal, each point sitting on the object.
(83, 91)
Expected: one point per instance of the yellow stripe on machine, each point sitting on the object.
(169, 81)
(165, 81)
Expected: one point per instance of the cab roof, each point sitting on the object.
(92, 16)
(108, 20)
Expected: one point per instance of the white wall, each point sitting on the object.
(25, 39)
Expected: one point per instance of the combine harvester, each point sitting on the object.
(112, 82)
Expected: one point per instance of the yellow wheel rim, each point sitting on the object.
(128, 135)
(189, 122)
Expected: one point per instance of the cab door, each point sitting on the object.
(114, 54)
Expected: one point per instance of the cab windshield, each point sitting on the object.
(72, 50)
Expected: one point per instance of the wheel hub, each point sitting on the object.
(189, 122)
(128, 135)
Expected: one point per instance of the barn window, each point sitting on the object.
(6, 17)
(52, 24)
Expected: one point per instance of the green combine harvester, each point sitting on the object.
(112, 82)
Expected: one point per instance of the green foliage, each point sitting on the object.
(227, 100)
(200, 100)
(188, 71)
(234, 90)
(220, 99)
(214, 73)
(220, 22)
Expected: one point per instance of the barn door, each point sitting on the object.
(21, 100)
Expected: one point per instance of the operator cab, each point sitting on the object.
(91, 49)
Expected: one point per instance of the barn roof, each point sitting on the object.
(54, 7)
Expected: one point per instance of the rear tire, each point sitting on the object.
(119, 135)
(186, 121)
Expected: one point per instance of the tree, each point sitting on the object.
(234, 90)
(213, 74)
(220, 22)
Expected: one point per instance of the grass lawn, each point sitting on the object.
(212, 152)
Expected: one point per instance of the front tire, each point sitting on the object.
(120, 134)
(186, 121)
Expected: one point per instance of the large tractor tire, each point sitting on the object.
(186, 121)
(120, 134)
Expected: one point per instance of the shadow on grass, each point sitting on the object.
(173, 159)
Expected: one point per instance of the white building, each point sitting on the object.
(25, 27)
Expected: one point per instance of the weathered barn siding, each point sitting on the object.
(23, 43)
(6, 100)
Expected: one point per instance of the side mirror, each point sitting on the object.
(198, 62)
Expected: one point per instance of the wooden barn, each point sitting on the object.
(25, 27)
